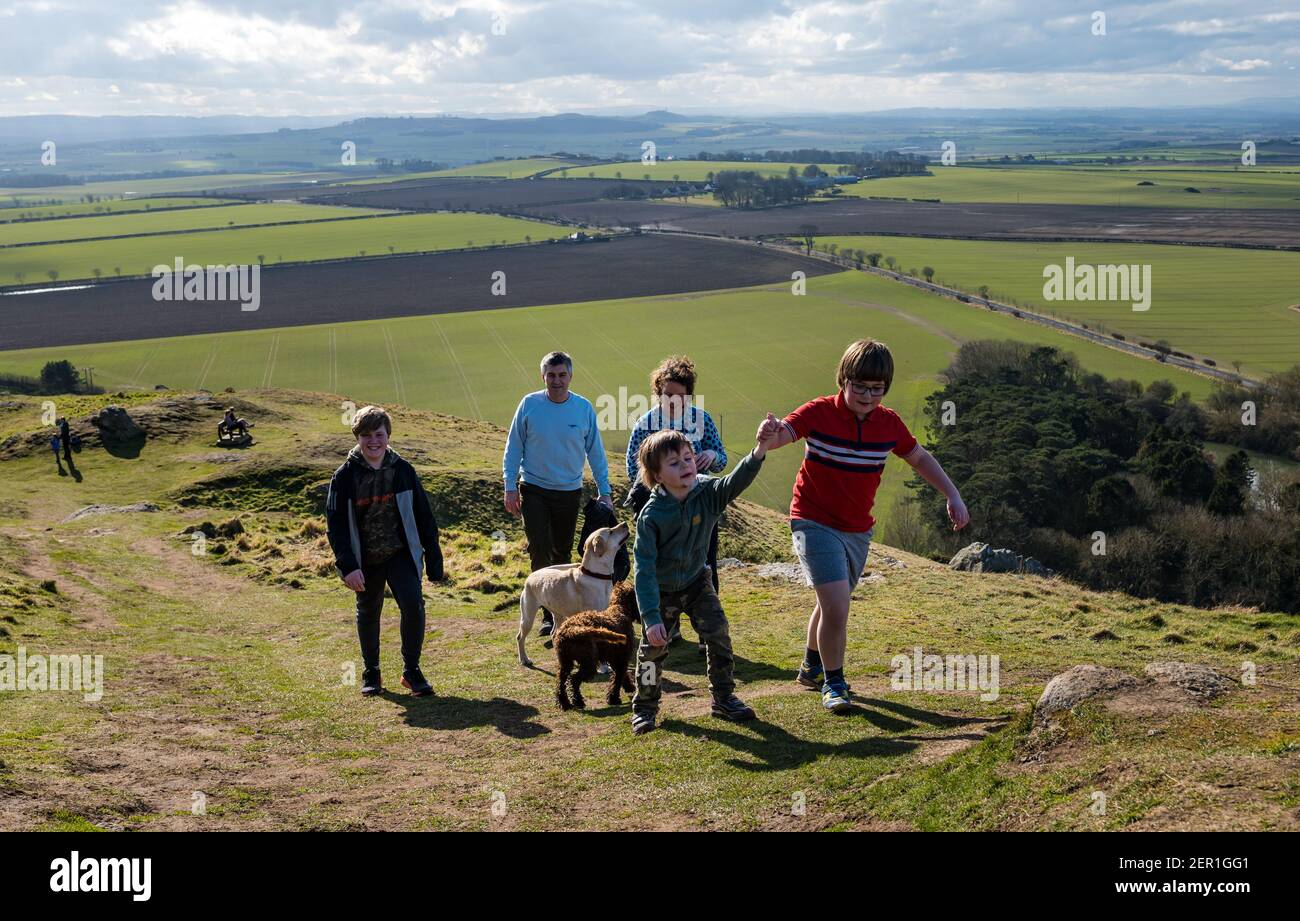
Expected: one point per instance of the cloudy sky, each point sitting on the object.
(338, 57)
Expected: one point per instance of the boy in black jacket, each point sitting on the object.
(382, 531)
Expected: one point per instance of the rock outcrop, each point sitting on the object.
(980, 557)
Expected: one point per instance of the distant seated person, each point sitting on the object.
(232, 426)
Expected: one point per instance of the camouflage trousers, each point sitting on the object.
(700, 603)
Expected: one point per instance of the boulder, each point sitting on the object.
(980, 557)
(90, 510)
(1080, 683)
(1200, 681)
(116, 426)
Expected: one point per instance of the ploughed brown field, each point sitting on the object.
(460, 194)
(1265, 227)
(397, 286)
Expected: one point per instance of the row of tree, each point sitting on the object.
(855, 162)
(748, 189)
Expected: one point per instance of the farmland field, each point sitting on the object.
(472, 194)
(1230, 305)
(112, 206)
(292, 243)
(684, 170)
(495, 169)
(1259, 227)
(1247, 187)
(73, 193)
(171, 221)
(626, 266)
(757, 349)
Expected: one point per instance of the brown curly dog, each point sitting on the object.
(591, 637)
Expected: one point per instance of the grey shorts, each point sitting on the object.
(829, 555)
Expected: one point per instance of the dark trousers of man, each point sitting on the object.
(399, 574)
(550, 521)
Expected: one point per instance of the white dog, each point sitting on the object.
(566, 589)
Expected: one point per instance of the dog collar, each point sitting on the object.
(607, 576)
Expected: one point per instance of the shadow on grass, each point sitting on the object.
(775, 749)
(685, 659)
(509, 717)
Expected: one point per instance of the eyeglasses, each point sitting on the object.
(876, 390)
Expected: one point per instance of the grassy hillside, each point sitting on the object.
(225, 668)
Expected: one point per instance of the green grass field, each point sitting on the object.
(495, 169)
(1227, 304)
(757, 349)
(169, 221)
(75, 193)
(683, 170)
(293, 243)
(1253, 187)
(104, 208)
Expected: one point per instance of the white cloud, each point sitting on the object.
(329, 56)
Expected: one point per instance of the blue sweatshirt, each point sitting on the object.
(550, 441)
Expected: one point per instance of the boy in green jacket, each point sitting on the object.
(672, 574)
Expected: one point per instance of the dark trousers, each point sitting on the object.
(700, 603)
(399, 574)
(550, 521)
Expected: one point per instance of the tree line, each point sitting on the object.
(1106, 481)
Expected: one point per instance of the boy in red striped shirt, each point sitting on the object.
(847, 438)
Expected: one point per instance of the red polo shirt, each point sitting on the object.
(842, 461)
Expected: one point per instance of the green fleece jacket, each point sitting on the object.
(672, 535)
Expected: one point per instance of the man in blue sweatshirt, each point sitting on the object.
(553, 432)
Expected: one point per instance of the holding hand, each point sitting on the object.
(657, 635)
(704, 460)
(768, 431)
